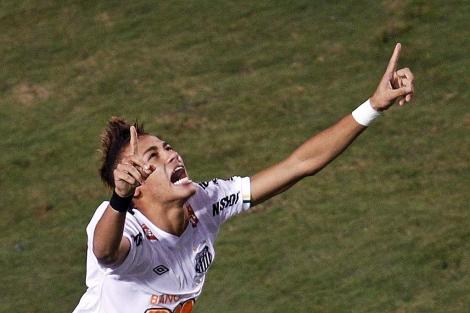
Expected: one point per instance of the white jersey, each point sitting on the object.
(163, 273)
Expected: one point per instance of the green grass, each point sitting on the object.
(235, 86)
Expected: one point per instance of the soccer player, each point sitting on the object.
(151, 245)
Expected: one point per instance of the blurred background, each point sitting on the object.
(234, 86)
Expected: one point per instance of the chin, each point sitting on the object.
(190, 190)
(183, 192)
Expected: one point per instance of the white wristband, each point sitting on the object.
(365, 113)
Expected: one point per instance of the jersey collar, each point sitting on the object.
(161, 235)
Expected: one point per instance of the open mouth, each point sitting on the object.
(179, 176)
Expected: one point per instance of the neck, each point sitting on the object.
(172, 219)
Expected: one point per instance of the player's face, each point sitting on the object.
(169, 182)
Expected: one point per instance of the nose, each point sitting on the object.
(174, 157)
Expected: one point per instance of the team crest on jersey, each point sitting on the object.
(148, 233)
(203, 260)
(192, 216)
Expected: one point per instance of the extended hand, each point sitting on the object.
(132, 170)
(394, 85)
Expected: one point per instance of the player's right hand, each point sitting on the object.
(131, 171)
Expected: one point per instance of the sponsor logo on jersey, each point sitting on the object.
(148, 233)
(203, 260)
(225, 202)
(206, 184)
(164, 299)
(160, 270)
(192, 216)
(137, 239)
(184, 307)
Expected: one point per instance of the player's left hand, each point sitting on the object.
(394, 85)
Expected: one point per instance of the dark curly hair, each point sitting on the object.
(114, 138)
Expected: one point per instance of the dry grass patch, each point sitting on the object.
(29, 94)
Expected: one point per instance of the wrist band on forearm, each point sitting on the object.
(120, 204)
(365, 113)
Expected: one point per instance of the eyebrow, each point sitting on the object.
(150, 149)
(164, 144)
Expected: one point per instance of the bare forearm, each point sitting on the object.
(109, 245)
(108, 236)
(308, 159)
(321, 149)
(324, 147)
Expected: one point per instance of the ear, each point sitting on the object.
(137, 192)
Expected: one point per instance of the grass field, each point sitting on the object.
(235, 86)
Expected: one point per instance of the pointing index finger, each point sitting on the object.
(392, 64)
(134, 141)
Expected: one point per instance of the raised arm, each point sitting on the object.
(322, 148)
(109, 245)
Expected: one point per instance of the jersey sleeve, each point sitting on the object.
(228, 197)
(131, 232)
